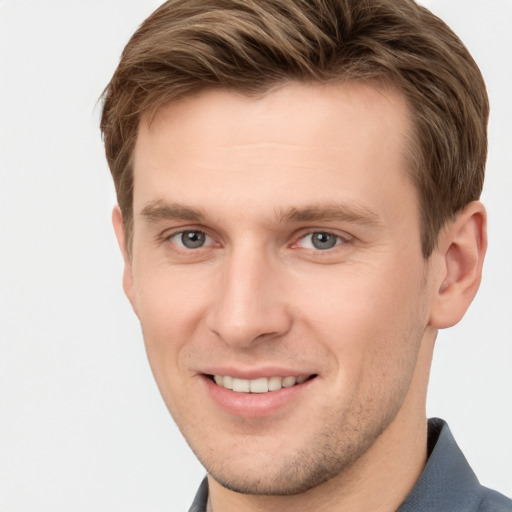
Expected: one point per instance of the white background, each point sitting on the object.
(82, 426)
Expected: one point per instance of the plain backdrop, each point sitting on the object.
(82, 426)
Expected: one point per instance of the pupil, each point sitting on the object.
(193, 239)
(323, 240)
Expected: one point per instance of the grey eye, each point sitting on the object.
(321, 241)
(192, 239)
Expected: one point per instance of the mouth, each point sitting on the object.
(259, 385)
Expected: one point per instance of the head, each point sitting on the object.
(297, 184)
(249, 47)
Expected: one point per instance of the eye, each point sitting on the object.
(192, 239)
(320, 241)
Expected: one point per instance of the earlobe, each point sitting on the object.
(460, 255)
(117, 222)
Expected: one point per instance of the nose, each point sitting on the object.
(249, 305)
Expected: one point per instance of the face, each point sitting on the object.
(278, 277)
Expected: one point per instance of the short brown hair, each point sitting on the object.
(248, 46)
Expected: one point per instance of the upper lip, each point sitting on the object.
(256, 373)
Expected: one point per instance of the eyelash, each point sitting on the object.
(170, 237)
(338, 240)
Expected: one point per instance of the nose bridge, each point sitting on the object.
(248, 304)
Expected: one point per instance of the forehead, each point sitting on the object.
(289, 112)
(299, 143)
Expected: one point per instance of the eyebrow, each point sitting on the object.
(159, 209)
(346, 212)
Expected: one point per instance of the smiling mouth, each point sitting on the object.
(260, 385)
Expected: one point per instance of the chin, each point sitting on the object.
(281, 475)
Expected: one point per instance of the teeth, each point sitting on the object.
(275, 383)
(261, 385)
(258, 385)
(288, 382)
(241, 385)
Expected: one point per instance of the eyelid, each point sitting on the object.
(342, 237)
(169, 234)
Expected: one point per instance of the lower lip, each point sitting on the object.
(255, 405)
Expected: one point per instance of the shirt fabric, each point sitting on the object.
(447, 483)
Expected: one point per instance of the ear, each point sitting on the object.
(460, 254)
(117, 221)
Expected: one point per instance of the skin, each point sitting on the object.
(258, 176)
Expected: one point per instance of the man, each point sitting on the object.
(298, 187)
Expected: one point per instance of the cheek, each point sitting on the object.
(170, 307)
(351, 302)
(169, 318)
(365, 317)
(169, 298)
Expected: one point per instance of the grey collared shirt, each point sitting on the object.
(447, 483)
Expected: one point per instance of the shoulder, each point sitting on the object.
(493, 501)
(448, 484)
